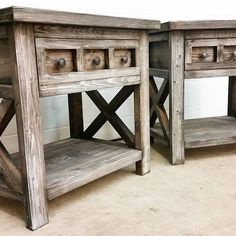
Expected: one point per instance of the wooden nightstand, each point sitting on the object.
(186, 50)
(48, 53)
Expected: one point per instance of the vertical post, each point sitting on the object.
(141, 105)
(232, 96)
(25, 83)
(76, 115)
(176, 90)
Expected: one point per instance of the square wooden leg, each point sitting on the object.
(141, 103)
(25, 83)
(176, 102)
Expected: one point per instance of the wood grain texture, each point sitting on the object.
(9, 170)
(71, 163)
(141, 107)
(204, 132)
(197, 25)
(232, 96)
(31, 15)
(25, 83)
(176, 97)
(75, 104)
(161, 73)
(195, 74)
(60, 31)
(75, 87)
(210, 34)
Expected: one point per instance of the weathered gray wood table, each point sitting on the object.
(187, 50)
(47, 53)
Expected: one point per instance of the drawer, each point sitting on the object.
(60, 60)
(95, 59)
(124, 58)
(207, 54)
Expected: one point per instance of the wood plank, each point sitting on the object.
(112, 117)
(176, 97)
(6, 91)
(205, 132)
(19, 14)
(25, 83)
(9, 170)
(141, 107)
(101, 119)
(60, 31)
(209, 73)
(52, 43)
(232, 96)
(72, 77)
(161, 73)
(72, 163)
(7, 111)
(75, 104)
(59, 89)
(209, 131)
(6, 192)
(210, 34)
(198, 24)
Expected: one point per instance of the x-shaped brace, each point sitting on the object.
(108, 114)
(157, 110)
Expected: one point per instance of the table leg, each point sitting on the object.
(141, 100)
(25, 83)
(176, 90)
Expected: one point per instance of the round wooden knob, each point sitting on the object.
(234, 53)
(204, 55)
(61, 63)
(96, 61)
(125, 59)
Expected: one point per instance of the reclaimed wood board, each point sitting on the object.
(205, 132)
(71, 163)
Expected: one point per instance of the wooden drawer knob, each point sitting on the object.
(96, 61)
(234, 54)
(124, 59)
(204, 55)
(61, 63)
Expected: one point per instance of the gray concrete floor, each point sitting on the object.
(198, 198)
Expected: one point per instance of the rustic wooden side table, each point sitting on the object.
(48, 53)
(186, 50)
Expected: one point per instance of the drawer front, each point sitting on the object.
(95, 59)
(206, 54)
(123, 58)
(59, 61)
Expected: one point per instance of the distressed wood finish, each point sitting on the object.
(21, 39)
(71, 163)
(141, 108)
(197, 49)
(176, 84)
(19, 14)
(48, 53)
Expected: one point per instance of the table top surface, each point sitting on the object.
(31, 15)
(197, 25)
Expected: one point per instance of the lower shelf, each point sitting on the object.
(205, 131)
(71, 163)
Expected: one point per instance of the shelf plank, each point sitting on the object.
(71, 163)
(205, 132)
